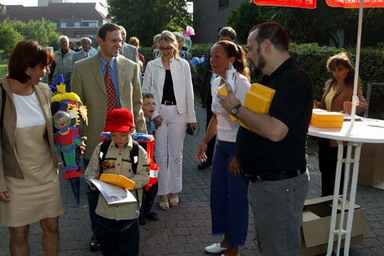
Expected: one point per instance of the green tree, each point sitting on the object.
(146, 18)
(312, 26)
(246, 16)
(9, 37)
(43, 31)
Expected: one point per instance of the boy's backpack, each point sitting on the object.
(133, 154)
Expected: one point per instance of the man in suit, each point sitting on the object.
(85, 52)
(127, 50)
(93, 79)
(225, 33)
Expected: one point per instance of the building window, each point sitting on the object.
(77, 24)
(90, 23)
(63, 24)
(223, 3)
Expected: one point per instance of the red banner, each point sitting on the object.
(310, 4)
(355, 3)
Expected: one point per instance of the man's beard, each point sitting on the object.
(260, 65)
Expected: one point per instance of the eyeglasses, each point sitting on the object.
(148, 105)
(168, 48)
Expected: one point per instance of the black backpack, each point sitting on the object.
(132, 155)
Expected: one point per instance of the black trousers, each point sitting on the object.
(327, 166)
(148, 199)
(118, 237)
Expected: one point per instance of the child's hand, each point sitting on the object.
(158, 121)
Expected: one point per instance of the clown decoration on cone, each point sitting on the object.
(67, 109)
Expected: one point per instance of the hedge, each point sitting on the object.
(312, 59)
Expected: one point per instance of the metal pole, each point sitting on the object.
(355, 99)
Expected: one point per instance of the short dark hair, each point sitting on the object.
(228, 32)
(274, 32)
(107, 27)
(27, 53)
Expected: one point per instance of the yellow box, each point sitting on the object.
(263, 90)
(323, 119)
(118, 180)
(258, 99)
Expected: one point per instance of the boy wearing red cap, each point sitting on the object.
(118, 227)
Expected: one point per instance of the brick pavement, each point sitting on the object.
(185, 230)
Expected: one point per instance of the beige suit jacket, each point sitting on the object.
(88, 83)
(9, 160)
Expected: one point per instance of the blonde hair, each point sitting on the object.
(169, 37)
(134, 41)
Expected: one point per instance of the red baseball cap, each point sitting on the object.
(119, 120)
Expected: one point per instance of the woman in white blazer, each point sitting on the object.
(169, 79)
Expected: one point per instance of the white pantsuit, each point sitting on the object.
(169, 150)
(170, 135)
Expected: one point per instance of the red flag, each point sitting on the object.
(355, 3)
(310, 4)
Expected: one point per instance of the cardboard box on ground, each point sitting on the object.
(316, 221)
(371, 169)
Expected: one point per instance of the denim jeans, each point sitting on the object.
(118, 237)
(229, 202)
(278, 211)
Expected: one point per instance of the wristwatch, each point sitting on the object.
(235, 109)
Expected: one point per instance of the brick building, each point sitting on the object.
(74, 20)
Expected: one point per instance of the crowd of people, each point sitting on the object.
(261, 163)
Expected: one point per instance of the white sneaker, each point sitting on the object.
(215, 248)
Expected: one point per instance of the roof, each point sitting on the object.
(54, 12)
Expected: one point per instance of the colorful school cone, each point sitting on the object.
(68, 113)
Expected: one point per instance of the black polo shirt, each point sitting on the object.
(292, 105)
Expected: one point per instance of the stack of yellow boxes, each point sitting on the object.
(258, 99)
(324, 119)
(118, 180)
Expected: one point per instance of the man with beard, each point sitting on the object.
(272, 153)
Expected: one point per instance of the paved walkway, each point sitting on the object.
(185, 230)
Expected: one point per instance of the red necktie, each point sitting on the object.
(110, 89)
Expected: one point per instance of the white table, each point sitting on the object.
(364, 131)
